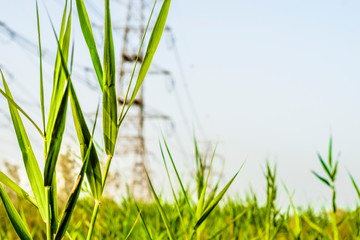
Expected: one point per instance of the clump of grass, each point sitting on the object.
(43, 182)
(330, 169)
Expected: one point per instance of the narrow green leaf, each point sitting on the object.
(333, 174)
(109, 92)
(133, 226)
(11, 101)
(313, 225)
(214, 202)
(179, 179)
(15, 218)
(89, 39)
(41, 70)
(93, 171)
(151, 49)
(144, 223)
(327, 170)
(56, 139)
(31, 165)
(152, 46)
(74, 195)
(200, 205)
(121, 117)
(60, 76)
(18, 190)
(322, 179)
(172, 188)
(161, 210)
(355, 185)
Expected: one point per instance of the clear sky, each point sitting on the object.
(268, 80)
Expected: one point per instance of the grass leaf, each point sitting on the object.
(322, 179)
(74, 195)
(179, 179)
(56, 139)
(152, 46)
(161, 210)
(109, 93)
(15, 218)
(214, 202)
(89, 39)
(93, 171)
(31, 165)
(41, 71)
(16, 188)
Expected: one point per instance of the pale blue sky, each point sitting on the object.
(269, 80)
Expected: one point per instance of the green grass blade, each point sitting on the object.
(355, 185)
(327, 170)
(11, 101)
(144, 223)
(201, 202)
(74, 195)
(133, 226)
(89, 39)
(172, 188)
(322, 179)
(333, 174)
(152, 46)
(56, 139)
(151, 49)
(179, 179)
(161, 210)
(60, 76)
(41, 70)
(214, 202)
(121, 117)
(313, 225)
(109, 92)
(297, 229)
(93, 171)
(31, 165)
(16, 188)
(14, 216)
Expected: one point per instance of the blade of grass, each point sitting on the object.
(109, 93)
(327, 170)
(144, 223)
(215, 202)
(89, 39)
(151, 49)
(201, 202)
(355, 185)
(15, 218)
(56, 139)
(74, 195)
(179, 179)
(133, 226)
(161, 210)
(322, 179)
(41, 70)
(93, 171)
(16, 188)
(31, 165)
(152, 46)
(172, 188)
